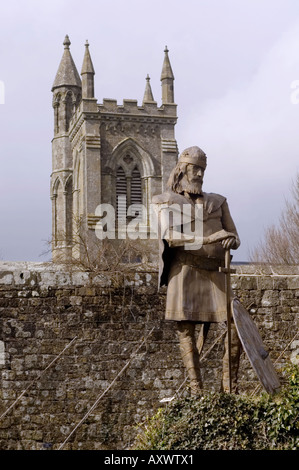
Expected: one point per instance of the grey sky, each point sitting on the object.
(234, 62)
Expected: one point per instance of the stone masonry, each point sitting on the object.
(44, 308)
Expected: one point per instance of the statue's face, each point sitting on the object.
(194, 176)
(195, 173)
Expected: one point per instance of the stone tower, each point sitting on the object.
(106, 153)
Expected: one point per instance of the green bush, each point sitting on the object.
(219, 421)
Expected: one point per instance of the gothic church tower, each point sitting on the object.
(104, 152)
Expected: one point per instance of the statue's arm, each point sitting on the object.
(175, 237)
(229, 225)
(173, 234)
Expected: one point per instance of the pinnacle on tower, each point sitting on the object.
(148, 94)
(66, 42)
(87, 66)
(166, 69)
(167, 79)
(87, 73)
(67, 74)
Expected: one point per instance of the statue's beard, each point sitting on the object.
(191, 187)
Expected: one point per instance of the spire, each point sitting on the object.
(67, 74)
(87, 73)
(167, 79)
(148, 94)
(166, 69)
(87, 66)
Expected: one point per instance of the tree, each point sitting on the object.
(116, 257)
(281, 242)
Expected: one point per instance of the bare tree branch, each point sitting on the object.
(281, 242)
(116, 257)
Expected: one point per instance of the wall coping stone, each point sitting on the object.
(48, 274)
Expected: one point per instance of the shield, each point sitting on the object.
(254, 348)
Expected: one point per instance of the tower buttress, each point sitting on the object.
(148, 94)
(66, 91)
(167, 79)
(87, 73)
(169, 150)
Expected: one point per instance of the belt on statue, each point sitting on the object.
(208, 264)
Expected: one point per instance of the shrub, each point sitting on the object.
(221, 421)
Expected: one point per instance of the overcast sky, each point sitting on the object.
(234, 61)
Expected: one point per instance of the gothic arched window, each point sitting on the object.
(69, 211)
(121, 194)
(69, 108)
(136, 191)
(128, 191)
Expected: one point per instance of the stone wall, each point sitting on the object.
(45, 309)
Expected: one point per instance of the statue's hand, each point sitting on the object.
(219, 237)
(228, 243)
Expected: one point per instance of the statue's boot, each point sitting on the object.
(235, 359)
(190, 356)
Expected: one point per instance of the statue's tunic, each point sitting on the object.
(196, 288)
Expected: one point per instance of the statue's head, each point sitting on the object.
(187, 176)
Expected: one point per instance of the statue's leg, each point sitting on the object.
(190, 356)
(235, 358)
(202, 336)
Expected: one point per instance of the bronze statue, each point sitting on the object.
(196, 286)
